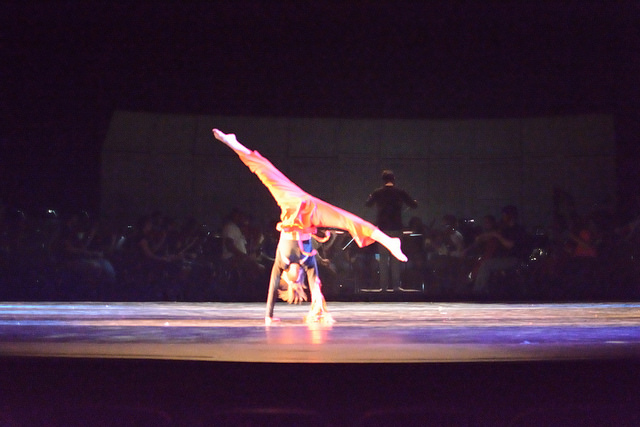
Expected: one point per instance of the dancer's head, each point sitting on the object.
(293, 273)
(388, 176)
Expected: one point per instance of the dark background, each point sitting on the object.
(67, 65)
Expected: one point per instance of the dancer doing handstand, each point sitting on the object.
(301, 215)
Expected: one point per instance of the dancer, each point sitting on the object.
(301, 215)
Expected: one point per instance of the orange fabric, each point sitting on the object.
(300, 210)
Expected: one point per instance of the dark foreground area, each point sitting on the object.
(80, 392)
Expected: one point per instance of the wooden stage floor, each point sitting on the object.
(364, 332)
(380, 364)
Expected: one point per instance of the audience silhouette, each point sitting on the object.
(44, 256)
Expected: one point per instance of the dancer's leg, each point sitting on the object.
(274, 282)
(326, 215)
(231, 141)
(391, 243)
(318, 311)
(363, 232)
(287, 194)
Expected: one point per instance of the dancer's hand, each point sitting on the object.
(297, 294)
(268, 321)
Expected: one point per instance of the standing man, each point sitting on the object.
(389, 200)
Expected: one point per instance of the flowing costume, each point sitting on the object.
(301, 215)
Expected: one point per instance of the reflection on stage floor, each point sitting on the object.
(363, 332)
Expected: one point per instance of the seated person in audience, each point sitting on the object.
(484, 246)
(78, 257)
(511, 248)
(235, 251)
(155, 265)
(446, 259)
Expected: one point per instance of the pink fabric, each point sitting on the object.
(300, 210)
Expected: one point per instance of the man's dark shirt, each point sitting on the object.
(517, 234)
(389, 201)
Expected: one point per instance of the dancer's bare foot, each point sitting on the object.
(318, 312)
(268, 321)
(394, 247)
(230, 140)
(322, 318)
(327, 319)
(393, 244)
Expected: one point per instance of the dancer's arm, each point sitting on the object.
(319, 239)
(286, 193)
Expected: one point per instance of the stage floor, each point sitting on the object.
(364, 332)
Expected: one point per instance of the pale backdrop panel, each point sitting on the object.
(168, 184)
(591, 180)
(540, 177)
(268, 135)
(226, 183)
(316, 176)
(356, 178)
(496, 183)
(404, 138)
(313, 138)
(123, 183)
(543, 137)
(464, 167)
(589, 135)
(208, 203)
(171, 133)
(448, 188)
(451, 138)
(497, 138)
(358, 137)
(138, 183)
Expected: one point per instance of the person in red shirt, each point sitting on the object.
(301, 216)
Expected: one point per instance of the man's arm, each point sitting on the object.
(409, 201)
(370, 200)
